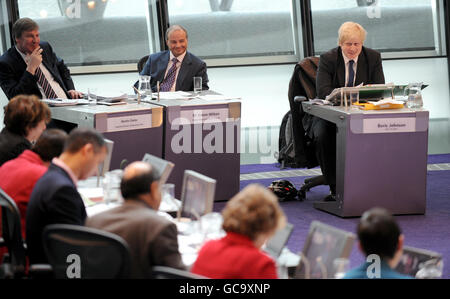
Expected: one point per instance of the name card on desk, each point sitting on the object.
(129, 122)
(389, 125)
(201, 116)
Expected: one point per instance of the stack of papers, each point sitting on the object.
(174, 95)
(60, 102)
(111, 99)
(91, 196)
(382, 104)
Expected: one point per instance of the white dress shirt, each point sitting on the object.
(53, 83)
(180, 61)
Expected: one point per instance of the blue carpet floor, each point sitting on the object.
(430, 231)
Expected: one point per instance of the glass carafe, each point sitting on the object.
(414, 94)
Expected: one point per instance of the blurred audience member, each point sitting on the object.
(380, 236)
(152, 238)
(18, 176)
(250, 218)
(25, 119)
(55, 199)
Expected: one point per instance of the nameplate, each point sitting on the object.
(205, 115)
(389, 125)
(128, 122)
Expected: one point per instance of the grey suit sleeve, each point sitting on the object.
(324, 79)
(164, 251)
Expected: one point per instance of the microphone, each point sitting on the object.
(123, 164)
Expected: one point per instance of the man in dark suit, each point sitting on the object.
(350, 64)
(55, 199)
(31, 66)
(175, 69)
(152, 238)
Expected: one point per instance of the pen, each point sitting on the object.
(139, 95)
(157, 89)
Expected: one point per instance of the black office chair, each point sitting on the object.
(302, 87)
(14, 262)
(101, 254)
(162, 272)
(141, 63)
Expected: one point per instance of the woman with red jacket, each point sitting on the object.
(250, 218)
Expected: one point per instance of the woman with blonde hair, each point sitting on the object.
(250, 218)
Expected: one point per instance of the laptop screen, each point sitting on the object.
(323, 245)
(197, 195)
(413, 259)
(276, 244)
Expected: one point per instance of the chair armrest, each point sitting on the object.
(2, 242)
(299, 99)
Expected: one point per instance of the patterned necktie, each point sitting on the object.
(351, 74)
(170, 78)
(48, 90)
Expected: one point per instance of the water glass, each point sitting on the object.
(354, 97)
(111, 186)
(144, 85)
(431, 269)
(197, 85)
(340, 267)
(168, 195)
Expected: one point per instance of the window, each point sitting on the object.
(395, 27)
(95, 32)
(3, 28)
(236, 29)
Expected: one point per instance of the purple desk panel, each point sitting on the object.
(381, 159)
(203, 136)
(136, 129)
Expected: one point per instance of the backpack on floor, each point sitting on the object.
(286, 151)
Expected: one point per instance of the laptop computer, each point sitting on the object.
(275, 245)
(323, 245)
(413, 260)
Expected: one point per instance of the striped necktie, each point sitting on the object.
(170, 78)
(48, 90)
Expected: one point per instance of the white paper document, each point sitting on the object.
(217, 97)
(60, 102)
(174, 95)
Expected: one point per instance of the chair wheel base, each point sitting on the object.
(301, 194)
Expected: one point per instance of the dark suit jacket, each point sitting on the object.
(331, 72)
(152, 239)
(192, 66)
(11, 145)
(54, 200)
(14, 79)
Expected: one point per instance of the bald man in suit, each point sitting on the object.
(175, 68)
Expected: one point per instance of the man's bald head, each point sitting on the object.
(137, 180)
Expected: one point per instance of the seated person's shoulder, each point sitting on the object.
(196, 59)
